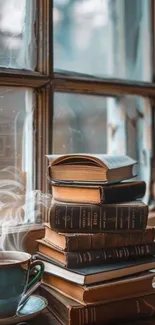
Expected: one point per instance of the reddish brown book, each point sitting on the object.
(83, 242)
(109, 291)
(99, 193)
(70, 312)
(97, 257)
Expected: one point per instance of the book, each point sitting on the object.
(129, 287)
(99, 193)
(146, 321)
(70, 217)
(91, 168)
(99, 273)
(70, 312)
(92, 241)
(98, 257)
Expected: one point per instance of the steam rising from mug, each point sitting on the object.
(19, 208)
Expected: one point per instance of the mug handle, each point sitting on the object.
(39, 274)
(29, 288)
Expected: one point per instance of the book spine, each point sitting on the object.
(124, 310)
(119, 254)
(116, 194)
(78, 242)
(96, 218)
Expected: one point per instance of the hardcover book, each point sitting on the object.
(115, 290)
(93, 241)
(91, 168)
(97, 257)
(99, 193)
(70, 217)
(99, 273)
(70, 312)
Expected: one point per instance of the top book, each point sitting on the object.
(83, 168)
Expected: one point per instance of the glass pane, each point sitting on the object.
(17, 38)
(108, 38)
(95, 124)
(16, 155)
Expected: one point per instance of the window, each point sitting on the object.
(17, 38)
(75, 76)
(16, 151)
(103, 38)
(20, 102)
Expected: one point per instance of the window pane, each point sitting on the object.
(95, 124)
(17, 38)
(16, 155)
(108, 38)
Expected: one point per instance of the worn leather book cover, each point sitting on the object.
(98, 273)
(93, 241)
(86, 218)
(97, 257)
(98, 193)
(70, 312)
(108, 291)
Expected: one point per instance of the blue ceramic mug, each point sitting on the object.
(15, 268)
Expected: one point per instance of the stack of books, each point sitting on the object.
(97, 250)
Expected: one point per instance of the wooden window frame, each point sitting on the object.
(45, 82)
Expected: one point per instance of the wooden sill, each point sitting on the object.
(84, 84)
(22, 78)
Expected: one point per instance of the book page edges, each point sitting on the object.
(103, 160)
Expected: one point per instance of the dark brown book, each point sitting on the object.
(149, 321)
(82, 242)
(99, 193)
(91, 168)
(70, 312)
(98, 273)
(129, 287)
(69, 217)
(97, 257)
